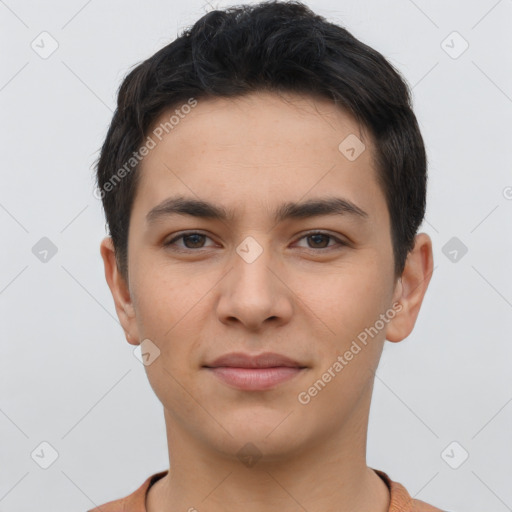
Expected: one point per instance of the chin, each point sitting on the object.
(250, 448)
(268, 433)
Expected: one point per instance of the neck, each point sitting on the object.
(330, 475)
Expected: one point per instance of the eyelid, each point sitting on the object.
(183, 234)
(339, 241)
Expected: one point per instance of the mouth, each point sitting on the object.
(255, 379)
(254, 373)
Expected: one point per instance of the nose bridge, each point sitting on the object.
(251, 261)
(251, 292)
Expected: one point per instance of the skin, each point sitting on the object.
(250, 154)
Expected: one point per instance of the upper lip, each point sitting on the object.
(265, 360)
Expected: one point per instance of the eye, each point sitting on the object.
(319, 238)
(195, 240)
(192, 240)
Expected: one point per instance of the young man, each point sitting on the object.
(263, 180)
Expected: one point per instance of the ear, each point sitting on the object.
(411, 287)
(120, 292)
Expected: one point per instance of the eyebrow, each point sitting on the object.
(291, 210)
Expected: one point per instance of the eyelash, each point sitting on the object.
(340, 242)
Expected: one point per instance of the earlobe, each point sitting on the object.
(120, 291)
(411, 288)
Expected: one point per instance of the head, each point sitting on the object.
(249, 114)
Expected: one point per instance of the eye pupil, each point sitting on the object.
(196, 241)
(317, 237)
(195, 237)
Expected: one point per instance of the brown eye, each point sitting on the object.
(319, 240)
(191, 241)
(196, 240)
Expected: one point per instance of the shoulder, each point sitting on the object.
(134, 502)
(421, 506)
(401, 500)
(111, 506)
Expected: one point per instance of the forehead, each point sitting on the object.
(262, 118)
(256, 149)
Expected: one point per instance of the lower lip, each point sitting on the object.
(255, 379)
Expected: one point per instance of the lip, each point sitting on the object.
(254, 373)
(255, 379)
(264, 360)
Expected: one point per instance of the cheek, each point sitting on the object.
(349, 303)
(168, 313)
(345, 300)
(164, 300)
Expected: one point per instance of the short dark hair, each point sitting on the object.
(274, 46)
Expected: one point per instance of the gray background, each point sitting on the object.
(67, 375)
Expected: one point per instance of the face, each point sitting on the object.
(304, 283)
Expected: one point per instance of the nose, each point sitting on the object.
(254, 291)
